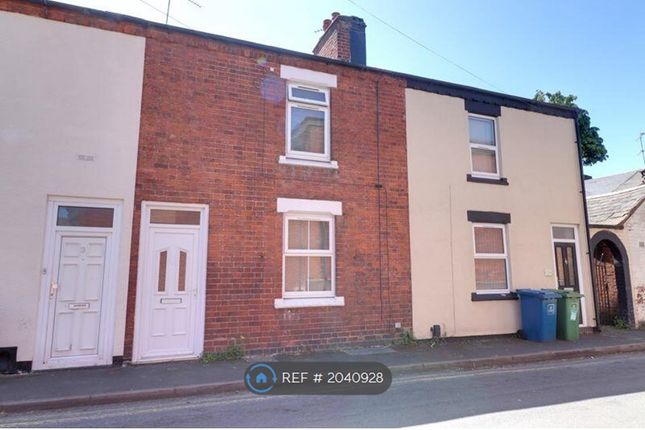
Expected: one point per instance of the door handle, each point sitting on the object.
(53, 288)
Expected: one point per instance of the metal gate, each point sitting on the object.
(610, 285)
(607, 311)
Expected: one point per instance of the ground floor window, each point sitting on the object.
(308, 253)
(491, 258)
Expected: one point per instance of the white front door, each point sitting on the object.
(169, 315)
(76, 295)
(76, 314)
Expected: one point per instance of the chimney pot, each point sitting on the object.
(335, 15)
(326, 24)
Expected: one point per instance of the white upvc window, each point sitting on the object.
(308, 128)
(309, 256)
(484, 150)
(309, 253)
(491, 258)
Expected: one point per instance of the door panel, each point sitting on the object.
(63, 333)
(566, 266)
(169, 293)
(76, 300)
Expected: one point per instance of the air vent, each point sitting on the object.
(8, 359)
(436, 331)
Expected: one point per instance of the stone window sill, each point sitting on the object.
(309, 302)
(309, 163)
(483, 297)
(481, 180)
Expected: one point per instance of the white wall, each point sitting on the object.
(633, 237)
(65, 91)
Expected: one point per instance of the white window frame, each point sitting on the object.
(310, 210)
(310, 105)
(495, 148)
(307, 87)
(492, 257)
(286, 252)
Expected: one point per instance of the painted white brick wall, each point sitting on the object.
(633, 237)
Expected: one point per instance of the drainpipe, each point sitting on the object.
(597, 328)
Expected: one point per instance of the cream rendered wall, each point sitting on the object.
(65, 91)
(539, 158)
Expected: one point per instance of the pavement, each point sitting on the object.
(91, 386)
(607, 391)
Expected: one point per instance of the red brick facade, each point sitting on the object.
(610, 307)
(212, 130)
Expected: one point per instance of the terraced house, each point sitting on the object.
(170, 192)
(495, 205)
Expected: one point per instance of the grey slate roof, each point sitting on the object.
(608, 184)
(613, 209)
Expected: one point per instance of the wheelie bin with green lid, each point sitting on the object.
(568, 321)
(538, 314)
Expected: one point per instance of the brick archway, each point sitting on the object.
(611, 279)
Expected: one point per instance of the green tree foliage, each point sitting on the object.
(593, 151)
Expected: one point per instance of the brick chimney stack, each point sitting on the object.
(343, 39)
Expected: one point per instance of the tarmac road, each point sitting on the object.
(607, 391)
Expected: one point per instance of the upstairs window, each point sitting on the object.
(308, 122)
(483, 146)
(491, 258)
